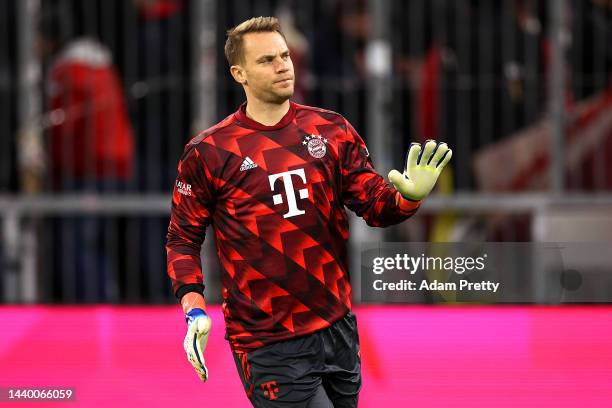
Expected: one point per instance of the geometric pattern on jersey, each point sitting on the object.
(276, 199)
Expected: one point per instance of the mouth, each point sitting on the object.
(284, 81)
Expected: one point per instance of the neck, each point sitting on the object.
(268, 114)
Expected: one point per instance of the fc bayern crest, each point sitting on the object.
(316, 145)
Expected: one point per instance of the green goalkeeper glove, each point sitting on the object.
(420, 177)
(195, 341)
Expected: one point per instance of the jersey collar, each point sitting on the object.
(241, 116)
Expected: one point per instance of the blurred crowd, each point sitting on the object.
(117, 100)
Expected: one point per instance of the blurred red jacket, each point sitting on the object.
(90, 133)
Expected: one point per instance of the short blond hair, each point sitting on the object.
(234, 52)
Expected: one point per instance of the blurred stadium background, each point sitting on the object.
(99, 97)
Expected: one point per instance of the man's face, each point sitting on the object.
(267, 70)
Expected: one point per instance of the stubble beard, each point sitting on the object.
(278, 98)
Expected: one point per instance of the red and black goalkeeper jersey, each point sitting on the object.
(275, 197)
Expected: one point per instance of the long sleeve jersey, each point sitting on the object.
(275, 197)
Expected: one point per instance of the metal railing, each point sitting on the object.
(20, 215)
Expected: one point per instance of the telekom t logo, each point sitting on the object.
(270, 390)
(291, 201)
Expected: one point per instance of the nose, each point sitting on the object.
(281, 65)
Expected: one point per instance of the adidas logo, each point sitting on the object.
(248, 164)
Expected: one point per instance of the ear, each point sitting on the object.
(238, 74)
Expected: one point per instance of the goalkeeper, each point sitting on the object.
(273, 179)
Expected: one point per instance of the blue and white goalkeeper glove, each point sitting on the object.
(195, 341)
(420, 176)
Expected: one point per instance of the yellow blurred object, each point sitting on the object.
(442, 230)
(30, 158)
(444, 223)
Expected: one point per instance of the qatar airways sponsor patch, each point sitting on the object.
(183, 188)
